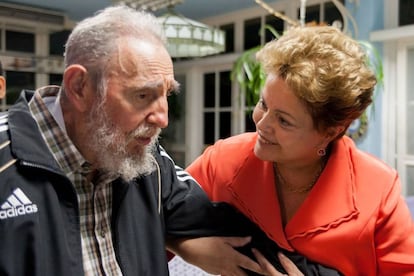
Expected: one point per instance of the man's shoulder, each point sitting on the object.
(163, 157)
(6, 158)
(4, 127)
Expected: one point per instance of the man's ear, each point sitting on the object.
(75, 80)
(2, 87)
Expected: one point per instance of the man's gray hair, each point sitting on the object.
(94, 39)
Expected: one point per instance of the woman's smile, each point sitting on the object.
(264, 140)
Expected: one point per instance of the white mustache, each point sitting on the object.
(144, 131)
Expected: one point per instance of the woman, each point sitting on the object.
(298, 176)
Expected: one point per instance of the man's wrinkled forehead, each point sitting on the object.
(144, 57)
(147, 65)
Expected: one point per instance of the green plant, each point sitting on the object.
(375, 62)
(248, 73)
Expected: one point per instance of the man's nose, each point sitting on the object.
(159, 113)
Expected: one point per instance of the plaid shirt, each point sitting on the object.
(94, 197)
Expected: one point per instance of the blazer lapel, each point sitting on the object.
(332, 199)
(254, 192)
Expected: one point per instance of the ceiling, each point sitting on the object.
(194, 9)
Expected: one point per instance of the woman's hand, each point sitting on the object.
(287, 264)
(216, 255)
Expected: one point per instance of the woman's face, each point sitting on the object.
(285, 128)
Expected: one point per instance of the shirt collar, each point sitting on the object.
(47, 112)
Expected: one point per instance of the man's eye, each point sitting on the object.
(142, 96)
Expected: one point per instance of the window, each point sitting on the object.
(20, 41)
(16, 82)
(331, 13)
(325, 13)
(405, 147)
(57, 42)
(25, 52)
(55, 79)
(252, 33)
(276, 23)
(253, 30)
(225, 104)
(398, 95)
(229, 37)
(209, 103)
(217, 106)
(406, 12)
(312, 14)
(249, 123)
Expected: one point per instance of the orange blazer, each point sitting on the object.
(354, 219)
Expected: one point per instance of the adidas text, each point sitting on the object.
(21, 210)
(17, 204)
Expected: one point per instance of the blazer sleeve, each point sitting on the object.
(394, 235)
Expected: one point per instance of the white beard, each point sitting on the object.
(110, 146)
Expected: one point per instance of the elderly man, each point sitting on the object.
(85, 189)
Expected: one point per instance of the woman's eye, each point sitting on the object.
(261, 104)
(283, 121)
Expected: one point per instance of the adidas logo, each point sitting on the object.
(17, 204)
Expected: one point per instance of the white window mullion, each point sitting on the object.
(217, 106)
(389, 105)
(401, 114)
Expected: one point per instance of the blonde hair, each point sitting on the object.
(326, 69)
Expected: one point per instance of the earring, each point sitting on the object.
(321, 152)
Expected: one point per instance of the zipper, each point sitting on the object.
(37, 166)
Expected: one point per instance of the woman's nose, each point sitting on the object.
(263, 121)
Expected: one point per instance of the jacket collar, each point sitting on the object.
(28, 144)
